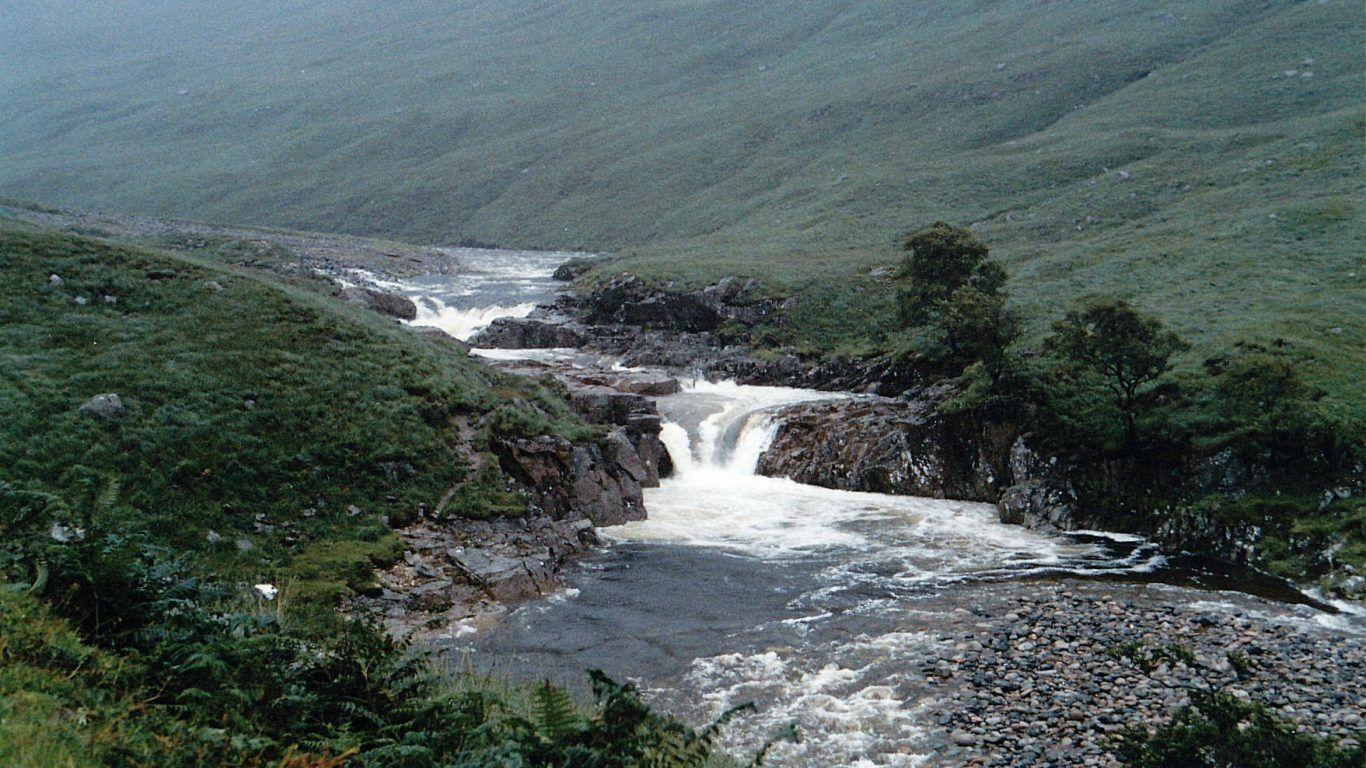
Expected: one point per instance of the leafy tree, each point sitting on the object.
(977, 326)
(954, 302)
(1127, 351)
(942, 259)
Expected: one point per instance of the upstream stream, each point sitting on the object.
(822, 607)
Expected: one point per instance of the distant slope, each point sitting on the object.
(1203, 156)
(620, 124)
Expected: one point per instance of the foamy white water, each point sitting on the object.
(493, 284)
(463, 323)
(820, 606)
(716, 432)
(852, 691)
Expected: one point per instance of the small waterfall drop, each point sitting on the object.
(464, 323)
(724, 427)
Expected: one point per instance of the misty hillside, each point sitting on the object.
(563, 124)
(1203, 157)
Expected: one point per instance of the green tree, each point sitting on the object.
(1127, 351)
(953, 301)
(940, 260)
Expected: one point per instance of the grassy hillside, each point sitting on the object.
(1202, 158)
(269, 428)
(270, 434)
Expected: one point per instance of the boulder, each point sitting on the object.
(628, 300)
(1039, 497)
(600, 481)
(390, 304)
(104, 407)
(571, 270)
(394, 305)
(525, 333)
(890, 446)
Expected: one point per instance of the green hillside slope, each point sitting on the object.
(1202, 158)
(275, 431)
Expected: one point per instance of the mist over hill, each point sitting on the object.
(1202, 157)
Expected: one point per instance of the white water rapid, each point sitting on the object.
(716, 432)
(495, 284)
(824, 608)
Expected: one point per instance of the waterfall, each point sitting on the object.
(723, 427)
(464, 323)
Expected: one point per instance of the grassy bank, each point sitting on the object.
(274, 430)
(267, 434)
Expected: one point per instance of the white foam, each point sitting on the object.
(463, 323)
(543, 355)
(1120, 537)
(366, 277)
(848, 705)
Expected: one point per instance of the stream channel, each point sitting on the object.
(822, 607)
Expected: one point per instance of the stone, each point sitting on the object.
(883, 445)
(526, 333)
(390, 304)
(104, 407)
(571, 270)
(394, 305)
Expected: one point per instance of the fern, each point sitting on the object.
(556, 717)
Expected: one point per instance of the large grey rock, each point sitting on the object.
(1039, 497)
(104, 407)
(599, 481)
(525, 333)
(888, 446)
(390, 304)
(628, 300)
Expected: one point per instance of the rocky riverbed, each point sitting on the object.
(1034, 682)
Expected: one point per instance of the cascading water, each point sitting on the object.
(820, 606)
(716, 432)
(812, 602)
(496, 284)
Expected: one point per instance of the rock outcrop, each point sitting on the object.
(881, 445)
(466, 569)
(527, 333)
(600, 481)
(390, 304)
(628, 300)
(1040, 495)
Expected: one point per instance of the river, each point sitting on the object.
(825, 608)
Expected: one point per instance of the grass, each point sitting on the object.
(271, 434)
(273, 430)
(1162, 151)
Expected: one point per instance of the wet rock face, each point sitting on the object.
(628, 300)
(600, 481)
(1040, 496)
(526, 333)
(888, 446)
(390, 304)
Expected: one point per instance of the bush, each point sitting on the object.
(1220, 730)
